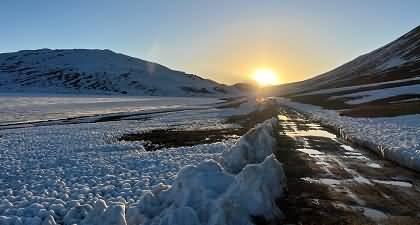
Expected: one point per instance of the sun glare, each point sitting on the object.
(265, 77)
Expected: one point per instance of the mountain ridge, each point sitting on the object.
(94, 71)
(382, 83)
(399, 59)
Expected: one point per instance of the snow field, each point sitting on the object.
(27, 108)
(394, 138)
(205, 193)
(81, 174)
(57, 167)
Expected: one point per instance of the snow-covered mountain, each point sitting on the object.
(383, 83)
(397, 60)
(82, 71)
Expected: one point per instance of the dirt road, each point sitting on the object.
(331, 182)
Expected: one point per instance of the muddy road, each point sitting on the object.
(332, 182)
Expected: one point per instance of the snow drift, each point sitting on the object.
(212, 192)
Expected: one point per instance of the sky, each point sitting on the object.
(217, 39)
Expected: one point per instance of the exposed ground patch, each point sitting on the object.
(166, 138)
(157, 139)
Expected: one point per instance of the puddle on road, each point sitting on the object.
(315, 130)
(337, 186)
(310, 151)
(282, 117)
(373, 214)
(313, 126)
(326, 181)
(322, 163)
(374, 165)
(312, 133)
(359, 179)
(360, 157)
(394, 183)
(352, 153)
(347, 148)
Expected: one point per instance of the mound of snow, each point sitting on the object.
(253, 193)
(206, 193)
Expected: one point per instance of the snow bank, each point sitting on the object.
(206, 193)
(394, 138)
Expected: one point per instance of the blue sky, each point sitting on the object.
(217, 39)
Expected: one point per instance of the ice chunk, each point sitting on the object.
(253, 147)
(180, 216)
(96, 213)
(197, 186)
(253, 193)
(49, 220)
(76, 214)
(10, 220)
(257, 187)
(113, 215)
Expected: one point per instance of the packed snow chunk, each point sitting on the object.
(96, 213)
(49, 220)
(197, 186)
(77, 214)
(253, 147)
(147, 208)
(101, 214)
(113, 215)
(12, 220)
(179, 216)
(253, 193)
(31, 220)
(134, 216)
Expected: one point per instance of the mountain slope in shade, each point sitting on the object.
(397, 60)
(98, 72)
(383, 83)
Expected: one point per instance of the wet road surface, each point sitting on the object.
(331, 182)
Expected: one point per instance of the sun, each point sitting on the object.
(265, 77)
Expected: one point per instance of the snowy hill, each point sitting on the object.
(384, 82)
(397, 60)
(83, 71)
